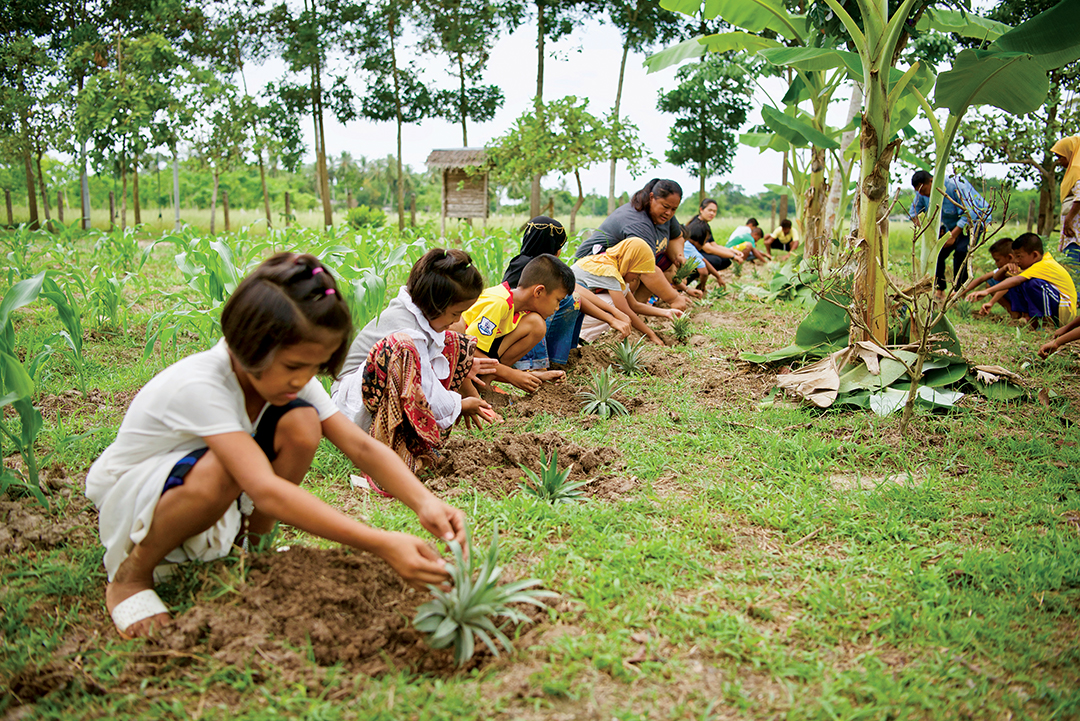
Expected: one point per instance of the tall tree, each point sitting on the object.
(643, 25)
(710, 105)
(394, 89)
(307, 39)
(464, 31)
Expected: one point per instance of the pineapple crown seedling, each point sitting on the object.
(458, 616)
(682, 328)
(598, 395)
(551, 484)
(628, 356)
(685, 270)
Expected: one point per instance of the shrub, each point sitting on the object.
(364, 217)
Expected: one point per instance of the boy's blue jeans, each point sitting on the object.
(563, 329)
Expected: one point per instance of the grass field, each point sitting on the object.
(732, 561)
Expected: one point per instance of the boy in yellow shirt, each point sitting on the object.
(782, 238)
(1045, 290)
(508, 322)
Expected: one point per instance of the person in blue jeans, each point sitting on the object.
(547, 235)
(964, 213)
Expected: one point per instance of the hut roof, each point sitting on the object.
(457, 158)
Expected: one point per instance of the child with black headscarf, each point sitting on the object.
(547, 235)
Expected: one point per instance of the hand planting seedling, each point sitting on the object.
(682, 328)
(551, 484)
(458, 616)
(628, 356)
(598, 395)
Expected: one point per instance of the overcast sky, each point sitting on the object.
(585, 65)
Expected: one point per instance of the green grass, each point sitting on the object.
(767, 563)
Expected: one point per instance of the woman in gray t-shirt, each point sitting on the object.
(650, 215)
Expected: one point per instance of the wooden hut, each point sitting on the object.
(464, 195)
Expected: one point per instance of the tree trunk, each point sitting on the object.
(838, 189)
(783, 182)
(461, 103)
(135, 191)
(31, 192)
(123, 190)
(398, 117)
(213, 202)
(44, 190)
(615, 115)
(225, 208)
(176, 187)
(265, 192)
(323, 180)
(541, 31)
(813, 212)
(577, 205)
(84, 187)
(873, 192)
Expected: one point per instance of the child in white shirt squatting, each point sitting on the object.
(245, 417)
(407, 378)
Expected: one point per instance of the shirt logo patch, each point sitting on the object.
(486, 326)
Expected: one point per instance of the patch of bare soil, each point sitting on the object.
(25, 524)
(558, 399)
(332, 605)
(493, 465)
(74, 403)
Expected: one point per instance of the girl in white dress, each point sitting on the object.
(245, 417)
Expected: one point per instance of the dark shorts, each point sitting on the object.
(264, 436)
(777, 245)
(716, 261)
(493, 352)
(663, 262)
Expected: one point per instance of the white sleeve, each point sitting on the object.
(316, 395)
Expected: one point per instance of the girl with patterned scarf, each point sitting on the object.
(407, 378)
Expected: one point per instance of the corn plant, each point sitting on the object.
(551, 484)
(598, 395)
(17, 385)
(464, 613)
(682, 328)
(70, 315)
(628, 356)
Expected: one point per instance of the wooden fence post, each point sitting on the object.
(10, 215)
(60, 205)
(412, 211)
(772, 218)
(288, 211)
(225, 205)
(1031, 215)
(112, 211)
(349, 200)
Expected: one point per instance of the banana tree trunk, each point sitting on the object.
(813, 211)
(876, 157)
(840, 179)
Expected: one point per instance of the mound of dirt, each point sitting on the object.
(558, 399)
(334, 605)
(493, 465)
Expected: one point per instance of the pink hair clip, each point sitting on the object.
(331, 291)
(316, 270)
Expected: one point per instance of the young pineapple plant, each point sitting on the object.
(628, 356)
(464, 613)
(686, 270)
(682, 328)
(552, 484)
(599, 395)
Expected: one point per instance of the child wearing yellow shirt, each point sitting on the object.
(1045, 291)
(508, 322)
